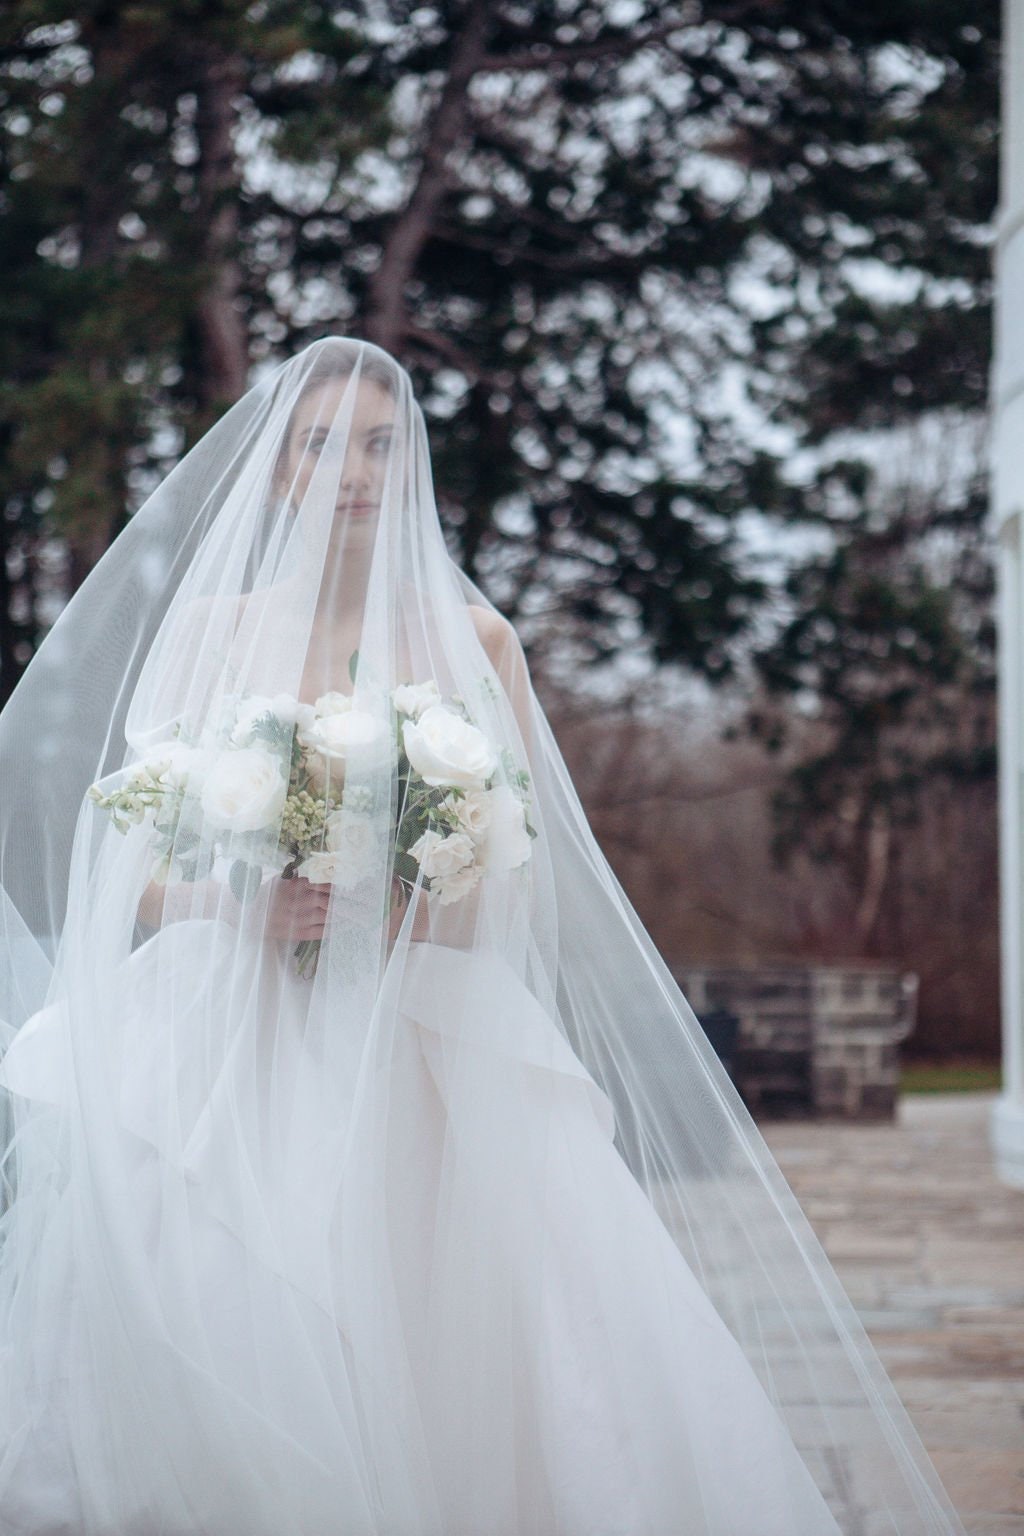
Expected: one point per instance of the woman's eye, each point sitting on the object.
(380, 446)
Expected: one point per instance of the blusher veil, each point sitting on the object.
(466, 1232)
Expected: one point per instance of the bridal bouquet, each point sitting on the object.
(269, 783)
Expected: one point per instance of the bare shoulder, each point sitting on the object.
(494, 630)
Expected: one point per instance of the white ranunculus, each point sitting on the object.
(439, 855)
(244, 790)
(413, 698)
(447, 750)
(506, 843)
(453, 887)
(473, 811)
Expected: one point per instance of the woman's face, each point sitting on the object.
(361, 476)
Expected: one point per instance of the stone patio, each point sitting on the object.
(930, 1248)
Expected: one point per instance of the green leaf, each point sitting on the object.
(407, 867)
(244, 880)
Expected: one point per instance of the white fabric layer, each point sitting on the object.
(602, 1415)
(455, 1226)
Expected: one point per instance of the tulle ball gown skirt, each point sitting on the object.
(292, 1283)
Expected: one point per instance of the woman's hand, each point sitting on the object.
(296, 909)
(420, 923)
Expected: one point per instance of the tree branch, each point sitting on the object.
(544, 56)
(386, 322)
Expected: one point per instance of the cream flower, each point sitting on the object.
(506, 843)
(334, 703)
(439, 856)
(170, 764)
(321, 868)
(413, 698)
(453, 887)
(244, 790)
(446, 750)
(348, 856)
(473, 811)
(347, 736)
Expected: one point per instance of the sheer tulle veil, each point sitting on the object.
(278, 671)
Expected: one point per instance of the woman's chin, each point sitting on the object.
(357, 535)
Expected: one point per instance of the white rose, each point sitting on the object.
(445, 749)
(347, 736)
(506, 843)
(320, 868)
(439, 855)
(244, 790)
(453, 887)
(414, 698)
(473, 811)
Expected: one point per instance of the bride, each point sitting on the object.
(365, 1172)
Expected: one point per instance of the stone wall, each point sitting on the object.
(818, 1040)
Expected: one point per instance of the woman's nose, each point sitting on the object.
(354, 474)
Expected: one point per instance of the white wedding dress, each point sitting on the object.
(321, 1395)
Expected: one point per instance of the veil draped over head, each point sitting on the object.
(433, 1213)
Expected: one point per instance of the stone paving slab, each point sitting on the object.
(930, 1248)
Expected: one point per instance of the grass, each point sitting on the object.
(950, 1076)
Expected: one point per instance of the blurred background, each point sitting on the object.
(697, 301)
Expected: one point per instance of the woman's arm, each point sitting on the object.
(505, 653)
(281, 909)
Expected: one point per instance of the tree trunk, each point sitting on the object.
(224, 342)
(87, 536)
(386, 318)
(877, 855)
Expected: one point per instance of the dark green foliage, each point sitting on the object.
(634, 268)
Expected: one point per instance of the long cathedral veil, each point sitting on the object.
(278, 675)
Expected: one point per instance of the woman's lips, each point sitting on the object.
(357, 508)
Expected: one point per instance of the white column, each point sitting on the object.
(1007, 506)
